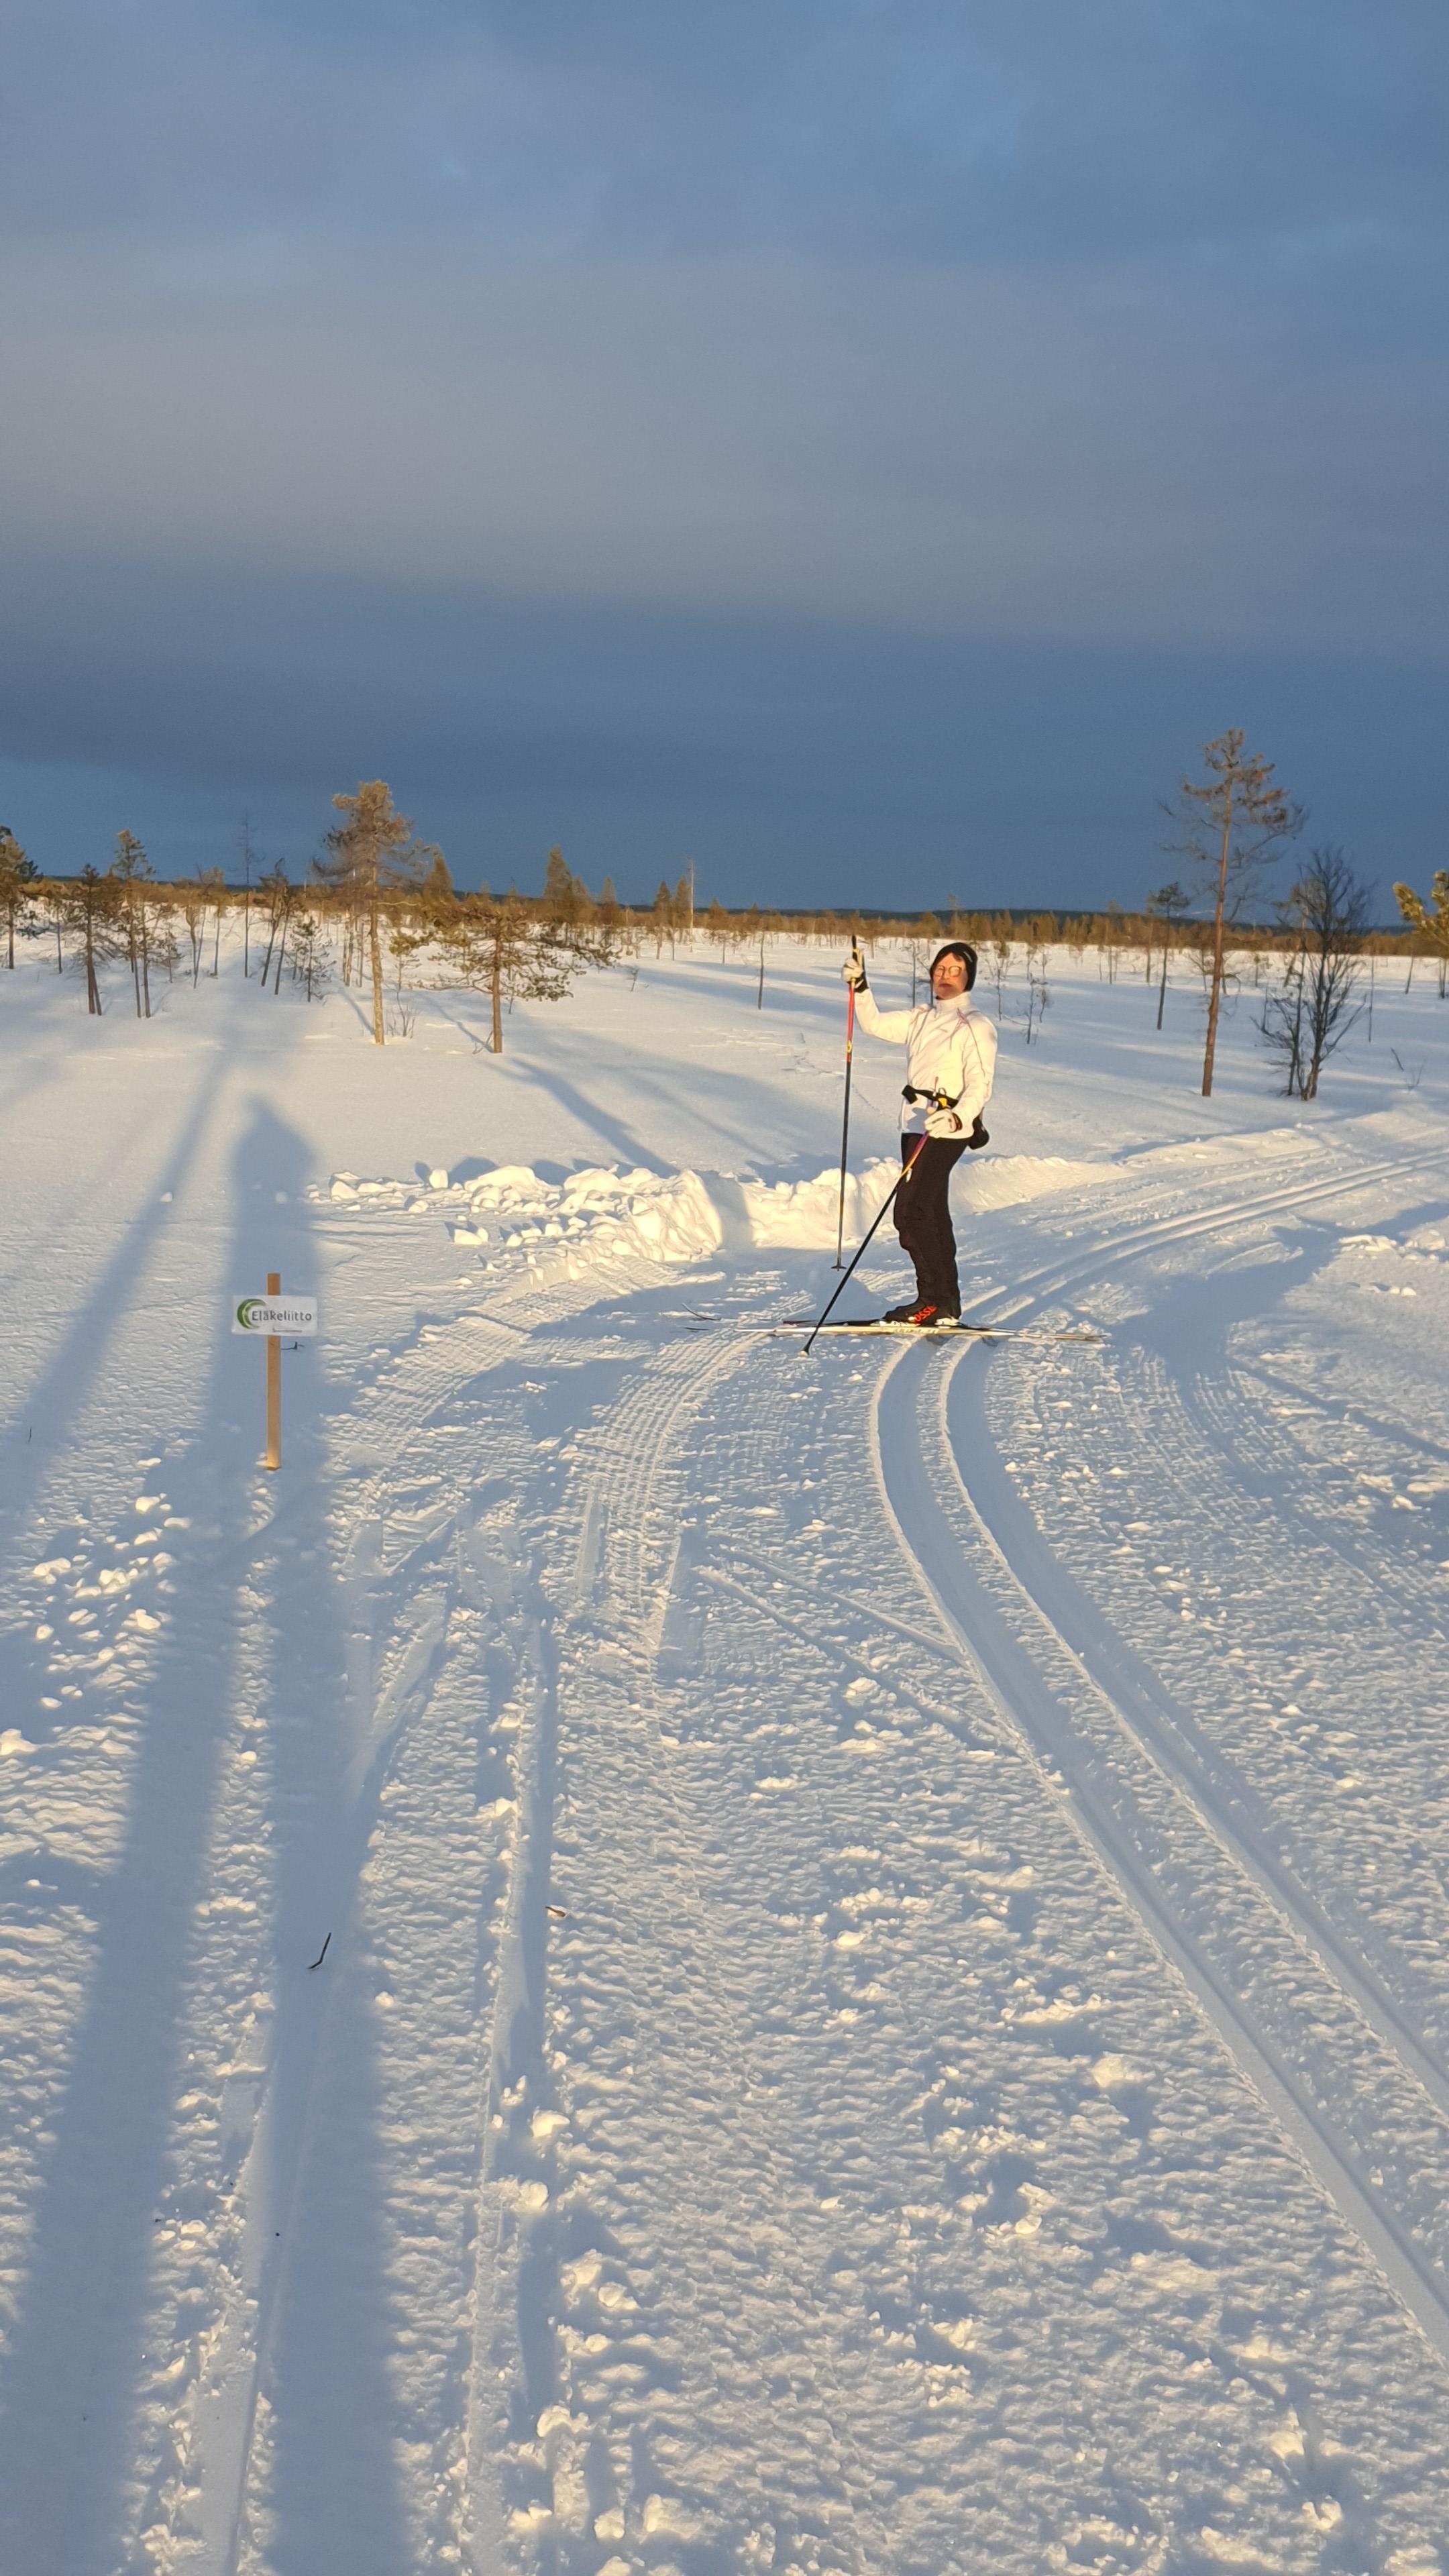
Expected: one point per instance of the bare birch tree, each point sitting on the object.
(1001, 964)
(1038, 992)
(1230, 827)
(1311, 1014)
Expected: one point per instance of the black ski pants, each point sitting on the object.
(923, 1217)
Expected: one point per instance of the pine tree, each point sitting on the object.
(130, 871)
(374, 859)
(190, 893)
(56, 896)
(93, 902)
(437, 885)
(496, 946)
(213, 887)
(309, 963)
(1432, 926)
(277, 893)
(1166, 905)
(567, 903)
(18, 875)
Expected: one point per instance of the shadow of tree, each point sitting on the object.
(88, 2308)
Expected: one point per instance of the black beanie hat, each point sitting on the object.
(958, 948)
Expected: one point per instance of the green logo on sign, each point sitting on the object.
(248, 1311)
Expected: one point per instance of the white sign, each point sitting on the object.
(283, 1319)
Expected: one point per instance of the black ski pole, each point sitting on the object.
(875, 1220)
(845, 1122)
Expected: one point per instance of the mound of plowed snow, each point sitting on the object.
(602, 1215)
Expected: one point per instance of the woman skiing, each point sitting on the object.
(950, 1060)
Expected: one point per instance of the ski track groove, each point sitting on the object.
(1200, 1768)
(804, 1626)
(1035, 1287)
(1219, 1415)
(648, 1621)
(244, 2311)
(619, 1526)
(910, 1977)
(1226, 1507)
(634, 1456)
(417, 1386)
(519, 1973)
(1228, 1809)
(1386, 2230)
(1138, 1857)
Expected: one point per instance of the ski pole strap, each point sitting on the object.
(938, 1099)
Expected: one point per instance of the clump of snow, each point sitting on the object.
(608, 1214)
(1111, 2073)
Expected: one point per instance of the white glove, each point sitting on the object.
(942, 1122)
(854, 970)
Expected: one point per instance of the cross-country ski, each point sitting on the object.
(943, 1325)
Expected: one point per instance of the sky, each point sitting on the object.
(866, 450)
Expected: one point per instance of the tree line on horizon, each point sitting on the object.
(377, 897)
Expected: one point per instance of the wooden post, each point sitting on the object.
(274, 1381)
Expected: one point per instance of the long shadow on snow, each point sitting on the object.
(47, 1064)
(325, 2322)
(61, 2428)
(612, 1131)
(760, 1101)
(73, 2361)
(1188, 1330)
(1189, 1321)
(60, 1390)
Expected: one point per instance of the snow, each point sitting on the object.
(664, 1956)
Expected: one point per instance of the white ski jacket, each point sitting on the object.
(950, 1047)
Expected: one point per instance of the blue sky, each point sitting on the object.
(865, 449)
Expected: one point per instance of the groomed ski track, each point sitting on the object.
(742, 1793)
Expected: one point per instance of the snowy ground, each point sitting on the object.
(886, 2001)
